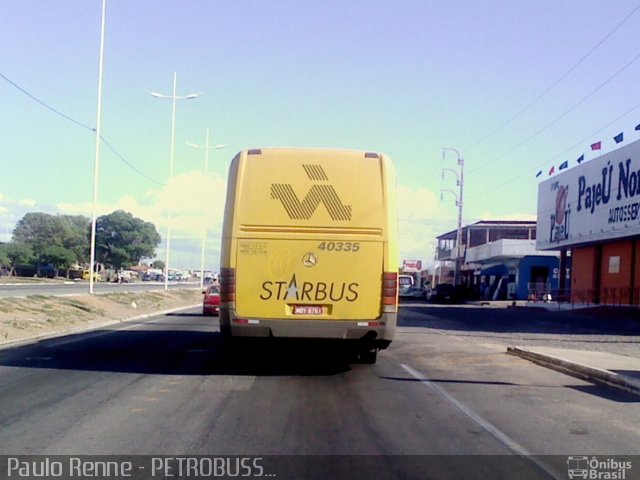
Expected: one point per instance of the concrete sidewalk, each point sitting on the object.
(619, 371)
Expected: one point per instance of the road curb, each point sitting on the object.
(18, 342)
(584, 372)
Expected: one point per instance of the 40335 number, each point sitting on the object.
(339, 246)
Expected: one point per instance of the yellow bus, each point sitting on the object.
(309, 248)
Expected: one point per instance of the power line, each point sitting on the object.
(82, 125)
(580, 142)
(117, 154)
(548, 89)
(49, 107)
(560, 117)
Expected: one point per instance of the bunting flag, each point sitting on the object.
(553, 168)
(596, 146)
(638, 126)
(618, 138)
(580, 158)
(563, 165)
(539, 173)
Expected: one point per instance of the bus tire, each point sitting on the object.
(368, 357)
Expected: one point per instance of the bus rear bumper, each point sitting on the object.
(378, 333)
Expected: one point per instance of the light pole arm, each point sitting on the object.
(190, 96)
(447, 190)
(444, 170)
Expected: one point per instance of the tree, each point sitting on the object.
(158, 264)
(4, 258)
(38, 230)
(122, 239)
(59, 257)
(41, 230)
(16, 254)
(75, 236)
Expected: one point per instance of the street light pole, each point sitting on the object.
(204, 212)
(459, 203)
(96, 167)
(173, 98)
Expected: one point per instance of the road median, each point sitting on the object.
(617, 371)
(42, 316)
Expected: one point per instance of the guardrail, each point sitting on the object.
(616, 296)
(608, 296)
(539, 292)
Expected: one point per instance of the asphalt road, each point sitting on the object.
(82, 287)
(436, 405)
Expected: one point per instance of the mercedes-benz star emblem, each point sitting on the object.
(309, 260)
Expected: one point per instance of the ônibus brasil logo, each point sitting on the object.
(594, 468)
(319, 193)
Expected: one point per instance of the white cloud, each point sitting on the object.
(192, 198)
(27, 202)
(421, 218)
(418, 204)
(197, 201)
(6, 227)
(1, 197)
(487, 215)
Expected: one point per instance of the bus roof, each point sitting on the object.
(285, 187)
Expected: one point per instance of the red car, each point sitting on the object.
(211, 300)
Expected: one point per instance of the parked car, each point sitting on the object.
(211, 300)
(412, 292)
(443, 293)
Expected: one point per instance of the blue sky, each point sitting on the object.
(406, 78)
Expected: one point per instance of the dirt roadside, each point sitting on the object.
(22, 318)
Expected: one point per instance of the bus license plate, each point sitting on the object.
(307, 310)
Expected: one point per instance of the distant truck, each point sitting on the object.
(405, 284)
(86, 275)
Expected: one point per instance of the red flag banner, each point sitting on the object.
(596, 146)
(552, 170)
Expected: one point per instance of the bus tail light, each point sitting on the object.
(390, 292)
(227, 285)
(371, 324)
(246, 321)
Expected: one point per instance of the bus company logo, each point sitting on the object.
(309, 260)
(559, 230)
(293, 289)
(595, 469)
(319, 193)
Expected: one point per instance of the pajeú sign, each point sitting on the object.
(597, 200)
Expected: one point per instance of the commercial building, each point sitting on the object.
(593, 212)
(498, 260)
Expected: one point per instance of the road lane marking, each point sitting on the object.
(502, 437)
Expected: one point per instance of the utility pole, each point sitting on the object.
(459, 202)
